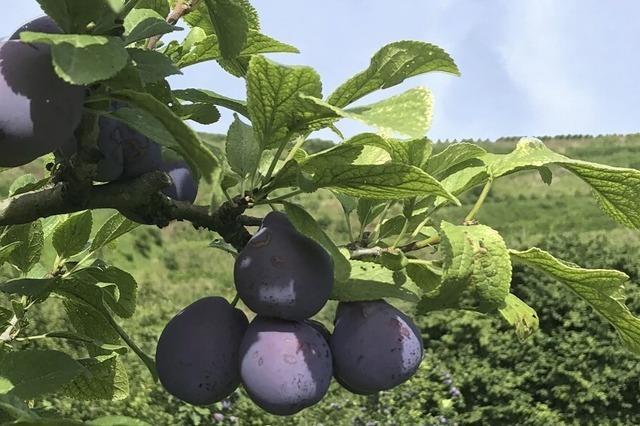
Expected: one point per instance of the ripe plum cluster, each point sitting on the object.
(40, 114)
(284, 359)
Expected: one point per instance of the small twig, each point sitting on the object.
(181, 9)
(249, 220)
(373, 252)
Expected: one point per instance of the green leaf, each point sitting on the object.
(363, 149)
(184, 139)
(26, 183)
(121, 297)
(199, 17)
(368, 210)
(349, 204)
(31, 238)
(206, 96)
(413, 152)
(370, 281)
(390, 66)
(451, 156)
(5, 317)
(476, 261)
(36, 373)
(382, 181)
(5, 386)
(242, 149)
(71, 236)
(70, 336)
(152, 66)
(115, 227)
(83, 59)
(117, 421)
(463, 180)
(521, 316)
(273, 99)
(105, 379)
(91, 322)
(162, 7)
(200, 113)
(617, 190)
(16, 407)
(73, 16)
(5, 251)
(32, 287)
(408, 113)
(207, 49)
(427, 277)
(142, 24)
(603, 289)
(231, 25)
(306, 225)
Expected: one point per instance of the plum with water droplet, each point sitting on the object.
(282, 273)
(375, 346)
(286, 366)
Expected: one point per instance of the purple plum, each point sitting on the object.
(375, 346)
(285, 366)
(184, 186)
(38, 110)
(197, 353)
(282, 273)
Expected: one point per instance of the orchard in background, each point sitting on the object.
(86, 87)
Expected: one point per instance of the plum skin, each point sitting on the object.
(39, 111)
(111, 166)
(375, 346)
(197, 352)
(286, 366)
(43, 24)
(141, 154)
(184, 186)
(282, 273)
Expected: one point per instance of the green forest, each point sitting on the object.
(573, 370)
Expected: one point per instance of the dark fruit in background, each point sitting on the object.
(282, 273)
(111, 166)
(184, 186)
(43, 24)
(38, 111)
(375, 346)
(197, 353)
(141, 154)
(286, 366)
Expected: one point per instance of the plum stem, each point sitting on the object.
(479, 202)
(146, 359)
(235, 300)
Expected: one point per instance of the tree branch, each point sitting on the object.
(182, 8)
(140, 199)
(373, 252)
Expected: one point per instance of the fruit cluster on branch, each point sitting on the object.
(284, 360)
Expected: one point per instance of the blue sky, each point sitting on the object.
(534, 67)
